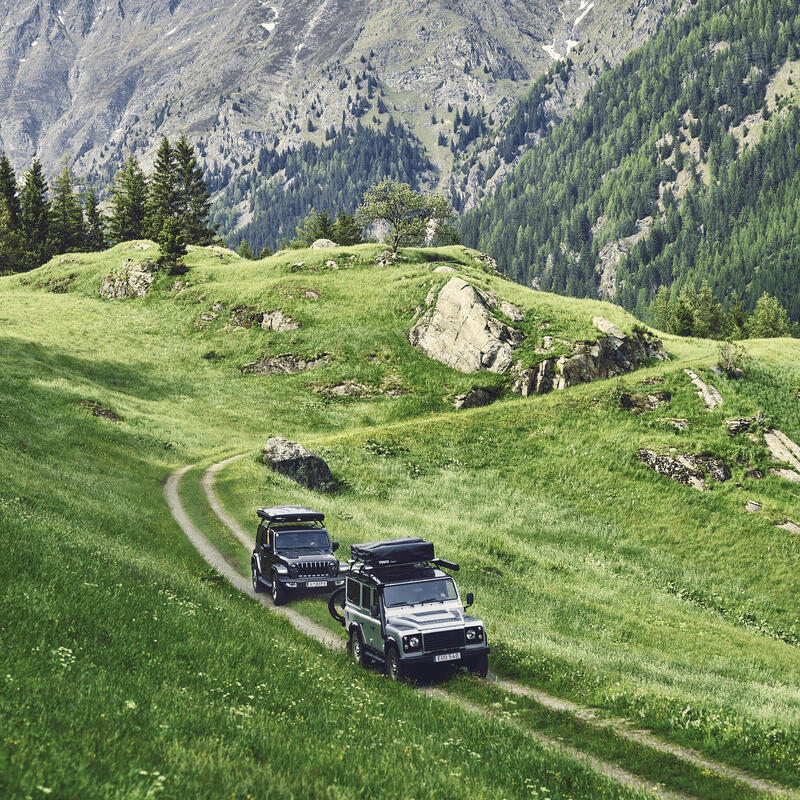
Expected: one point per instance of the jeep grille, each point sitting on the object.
(312, 568)
(443, 640)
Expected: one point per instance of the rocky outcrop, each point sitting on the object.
(639, 403)
(298, 463)
(706, 392)
(613, 354)
(688, 469)
(323, 244)
(782, 449)
(134, 280)
(476, 397)
(461, 332)
(278, 321)
(284, 364)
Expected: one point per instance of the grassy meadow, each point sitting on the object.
(128, 669)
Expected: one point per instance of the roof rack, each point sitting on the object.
(290, 514)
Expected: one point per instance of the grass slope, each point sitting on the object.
(129, 670)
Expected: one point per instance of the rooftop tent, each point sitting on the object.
(392, 552)
(290, 514)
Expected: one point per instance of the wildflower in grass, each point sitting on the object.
(44, 789)
(131, 704)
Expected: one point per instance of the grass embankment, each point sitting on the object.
(124, 660)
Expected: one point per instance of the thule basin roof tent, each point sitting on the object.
(393, 553)
(278, 514)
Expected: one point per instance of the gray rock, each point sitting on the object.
(753, 507)
(323, 244)
(284, 364)
(443, 268)
(690, 470)
(707, 393)
(739, 425)
(134, 280)
(640, 403)
(461, 332)
(790, 526)
(278, 321)
(538, 380)
(608, 328)
(782, 449)
(514, 313)
(298, 463)
(476, 397)
(679, 423)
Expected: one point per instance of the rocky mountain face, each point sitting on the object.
(89, 80)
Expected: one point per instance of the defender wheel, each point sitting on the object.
(279, 593)
(356, 648)
(394, 666)
(258, 587)
(480, 666)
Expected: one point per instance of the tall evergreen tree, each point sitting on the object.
(171, 242)
(35, 217)
(11, 255)
(9, 191)
(129, 204)
(95, 233)
(163, 199)
(66, 215)
(194, 201)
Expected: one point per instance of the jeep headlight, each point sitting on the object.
(474, 635)
(334, 568)
(412, 642)
(294, 569)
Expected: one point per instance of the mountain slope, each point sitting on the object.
(653, 163)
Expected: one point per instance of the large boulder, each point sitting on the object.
(461, 332)
(278, 321)
(298, 463)
(323, 244)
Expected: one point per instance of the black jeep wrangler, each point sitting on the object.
(293, 551)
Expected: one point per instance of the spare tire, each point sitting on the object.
(335, 600)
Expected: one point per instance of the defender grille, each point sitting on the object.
(313, 568)
(443, 640)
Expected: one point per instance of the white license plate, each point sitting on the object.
(447, 657)
(316, 584)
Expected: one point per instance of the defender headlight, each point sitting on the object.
(475, 634)
(412, 642)
(294, 569)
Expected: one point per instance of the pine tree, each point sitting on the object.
(194, 201)
(35, 217)
(265, 252)
(346, 231)
(129, 203)
(9, 191)
(66, 215)
(95, 228)
(162, 199)
(11, 255)
(245, 251)
(171, 243)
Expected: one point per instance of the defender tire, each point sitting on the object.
(258, 587)
(356, 648)
(480, 666)
(395, 670)
(279, 593)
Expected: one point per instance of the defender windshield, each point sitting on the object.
(302, 540)
(409, 594)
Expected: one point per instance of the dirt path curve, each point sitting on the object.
(588, 715)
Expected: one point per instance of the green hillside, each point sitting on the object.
(684, 158)
(129, 669)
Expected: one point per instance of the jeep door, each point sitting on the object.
(371, 624)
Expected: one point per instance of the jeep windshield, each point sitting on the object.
(412, 594)
(302, 540)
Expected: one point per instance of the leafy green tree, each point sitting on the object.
(245, 251)
(346, 231)
(66, 214)
(769, 319)
(316, 225)
(9, 191)
(129, 203)
(171, 242)
(194, 200)
(95, 227)
(35, 218)
(162, 199)
(408, 213)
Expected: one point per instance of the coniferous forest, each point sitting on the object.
(657, 137)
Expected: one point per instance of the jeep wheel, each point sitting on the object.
(258, 588)
(394, 666)
(356, 648)
(279, 593)
(480, 666)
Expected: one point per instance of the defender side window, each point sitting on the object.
(365, 601)
(353, 591)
